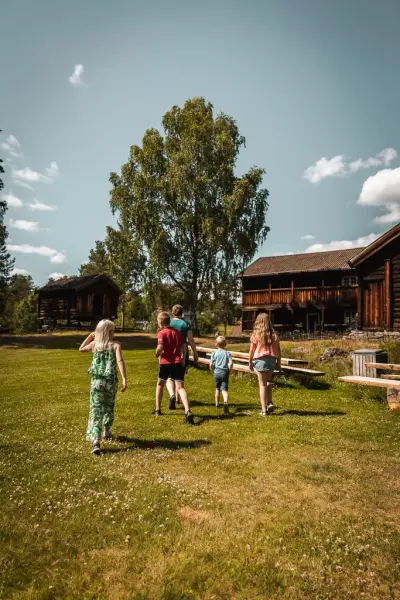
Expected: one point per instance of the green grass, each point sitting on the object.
(301, 505)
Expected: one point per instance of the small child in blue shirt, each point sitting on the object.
(221, 365)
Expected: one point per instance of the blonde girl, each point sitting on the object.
(264, 358)
(103, 387)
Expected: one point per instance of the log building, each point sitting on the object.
(78, 299)
(312, 291)
(378, 271)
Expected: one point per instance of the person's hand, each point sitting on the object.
(251, 366)
(124, 385)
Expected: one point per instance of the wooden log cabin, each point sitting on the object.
(78, 299)
(378, 272)
(312, 291)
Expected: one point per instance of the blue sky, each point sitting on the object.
(313, 86)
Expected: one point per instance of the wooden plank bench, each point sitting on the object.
(244, 357)
(393, 387)
(383, 366)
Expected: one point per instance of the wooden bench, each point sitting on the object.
(393, 388)
(244, 357)
(383, 366)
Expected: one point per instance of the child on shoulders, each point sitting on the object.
(221, 365)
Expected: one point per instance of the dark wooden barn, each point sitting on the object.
(378, 271)
(78, 299)
(316, 290)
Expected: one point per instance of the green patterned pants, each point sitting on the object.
(101, 411)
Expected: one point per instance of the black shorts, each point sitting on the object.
(176, 372)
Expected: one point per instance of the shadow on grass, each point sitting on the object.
(135, 443)
(309, 413)
(221, 417)
(72, 341)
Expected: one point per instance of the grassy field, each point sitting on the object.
(303, 504)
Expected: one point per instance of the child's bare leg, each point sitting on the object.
(181, 392)
(225, 396)
(216, 397)
(171, 387)
(159, 393)
(262, 382)
(269, 392)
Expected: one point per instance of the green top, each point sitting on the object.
(104, 364)
(181, 327)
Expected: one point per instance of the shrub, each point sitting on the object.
(205, 324)
(25, 315)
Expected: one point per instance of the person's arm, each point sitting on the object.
(277, 352)
(212, 362)
(251, 355)
(160, 346)
(87, 344)
(192, 344)
(121, 365)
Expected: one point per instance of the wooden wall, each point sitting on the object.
(379, 291)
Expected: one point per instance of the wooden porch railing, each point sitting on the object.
(298, 295)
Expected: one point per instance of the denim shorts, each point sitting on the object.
(264, 363)
(221, 380)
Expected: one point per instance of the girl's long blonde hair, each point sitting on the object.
(103, 334)
(263, 331)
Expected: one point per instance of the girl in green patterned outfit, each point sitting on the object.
(103, 387)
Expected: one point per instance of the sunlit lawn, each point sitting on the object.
(303, 504)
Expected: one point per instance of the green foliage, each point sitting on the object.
(98, 262)
(181, 202)
(6, 262)
(25, 317)
(205, 324)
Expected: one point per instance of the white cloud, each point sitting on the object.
(59, 258)
(35, 205)
(20, 272)
(53, 170)
(360, 242)
(56, 275)
(24, 185)
(12, 146)
(55, 256)
(337, 166)
(308, 237)
(27, 174)
(12, 200)
(77, 76)
(24, 225)
(383, 190)
(325, 167)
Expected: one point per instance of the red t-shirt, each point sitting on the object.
(172, 342)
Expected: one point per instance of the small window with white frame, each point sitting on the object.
(350, 280)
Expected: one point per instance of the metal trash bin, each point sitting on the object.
(361, 357)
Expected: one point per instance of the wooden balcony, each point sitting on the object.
(300, 296)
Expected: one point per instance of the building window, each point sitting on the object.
(350, 318)
(350, 280)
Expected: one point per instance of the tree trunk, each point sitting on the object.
(123, 310)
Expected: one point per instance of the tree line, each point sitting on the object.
(187, 224)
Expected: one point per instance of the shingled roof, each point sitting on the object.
(75, 283)
(333, 260)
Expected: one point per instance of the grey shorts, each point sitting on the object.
(264, 363)
(221, 380)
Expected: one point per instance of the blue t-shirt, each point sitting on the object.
(181, 327)
(220, 360)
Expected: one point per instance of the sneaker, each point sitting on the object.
(172, 403)
(217, 406)
(270, 408)
(263, 413)
(107, 434)
(156, 413)
(226, 409)
(189, 418)
(96, 448)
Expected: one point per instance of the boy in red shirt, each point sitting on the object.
(170, 350)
